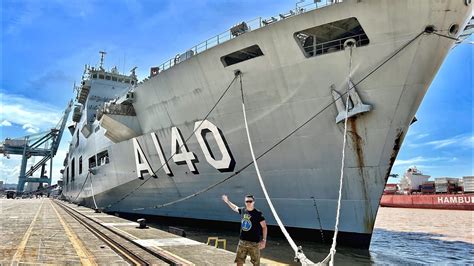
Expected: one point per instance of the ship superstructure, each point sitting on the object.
(172, 144)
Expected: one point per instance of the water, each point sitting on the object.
(401, 236)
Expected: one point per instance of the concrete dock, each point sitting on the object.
(47, 231)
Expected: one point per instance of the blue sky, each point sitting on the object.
(45, 45)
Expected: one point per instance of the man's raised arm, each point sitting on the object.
(231, 205)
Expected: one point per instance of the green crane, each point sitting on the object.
(44, 144)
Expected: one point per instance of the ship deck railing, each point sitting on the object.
(301, 7)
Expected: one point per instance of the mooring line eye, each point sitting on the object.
(430, 29)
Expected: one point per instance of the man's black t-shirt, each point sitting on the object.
(250, 228)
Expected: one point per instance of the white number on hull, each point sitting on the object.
(201, 128)
(161, 154)
(141, 161)
(184, 156)
(204, 127)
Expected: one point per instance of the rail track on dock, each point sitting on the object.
(123, 245)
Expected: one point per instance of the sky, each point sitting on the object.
(45, 44)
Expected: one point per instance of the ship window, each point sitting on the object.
(92, 162)
(67, 175)
(330, 37)
(77, 138)
(101, 76)
(80, 165)
(94, 76)
(241, 55)
(133, 82)
(114, 79)
(73, 169)
(103, 158)
(120, 80)
(127, 81)
(107, 77)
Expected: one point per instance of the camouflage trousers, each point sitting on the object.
(248, 248)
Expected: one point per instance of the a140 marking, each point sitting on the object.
(181, 154)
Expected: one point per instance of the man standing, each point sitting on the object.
(253, 230)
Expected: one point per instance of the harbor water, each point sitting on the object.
(401, 236)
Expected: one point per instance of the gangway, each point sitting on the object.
(44, 144)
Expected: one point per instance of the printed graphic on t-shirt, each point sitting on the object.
(246, 223)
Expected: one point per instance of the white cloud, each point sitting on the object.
(30, 128)
(420, 159)
(5, 123)
(420, 136)
(463, 141)
(32, 115)
(10, 169)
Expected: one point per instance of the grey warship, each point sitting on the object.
(172, 144)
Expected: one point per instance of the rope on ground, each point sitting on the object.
(184, 143)
(288, 135)
(299, 255)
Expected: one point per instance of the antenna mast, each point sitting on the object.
(102, 54)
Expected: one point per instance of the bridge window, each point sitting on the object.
(107, 77)
(67, 175)
(330, 37)
(241, 55)
(103, 158)
(80, 165)
(94, 76)
(101, 76)
(114, 78)
(73, 169)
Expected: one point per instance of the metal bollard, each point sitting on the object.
(142, 223)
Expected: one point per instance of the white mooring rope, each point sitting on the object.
(299, 255)
(93, 197)
(332, 251)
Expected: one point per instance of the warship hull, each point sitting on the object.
(282, 88)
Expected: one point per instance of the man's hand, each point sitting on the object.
(231, 205)
(225, 198)
(261, 244)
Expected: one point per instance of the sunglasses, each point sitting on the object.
(248, 201)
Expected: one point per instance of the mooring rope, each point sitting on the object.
(83, 184)
(332, 251)
(299, 255)
(288, 135)
(298, 252)
(154, 173)
(93, 197)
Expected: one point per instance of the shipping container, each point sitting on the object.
(468, 184)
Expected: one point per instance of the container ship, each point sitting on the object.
(415, 191)
(170, 145)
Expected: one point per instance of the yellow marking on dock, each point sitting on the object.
(84, 255)
(21, 248)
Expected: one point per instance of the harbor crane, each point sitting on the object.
(44, 144)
